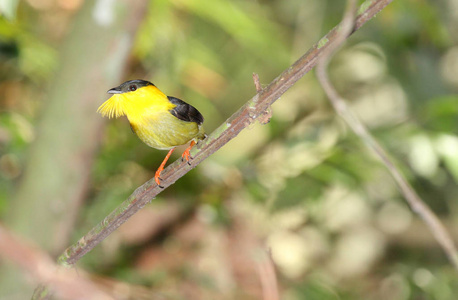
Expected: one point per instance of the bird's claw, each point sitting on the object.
(158, 182)
(158, 179)
(186, 156)
(188, 161)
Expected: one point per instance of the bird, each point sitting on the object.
(161, 122)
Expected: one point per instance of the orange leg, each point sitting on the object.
(161, 167)
(186, 155)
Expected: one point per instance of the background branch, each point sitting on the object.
(245, 116)
(269, 283)
(416, 203)
(66, 283)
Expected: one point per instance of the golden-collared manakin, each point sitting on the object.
(160, 121)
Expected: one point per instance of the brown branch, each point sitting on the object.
(416, 203)
(66, 283)
(246, 115)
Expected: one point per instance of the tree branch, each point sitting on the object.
(245, 116)
(416, 203)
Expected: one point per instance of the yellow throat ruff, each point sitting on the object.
(135, 104)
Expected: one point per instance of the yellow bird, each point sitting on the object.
(160, 121)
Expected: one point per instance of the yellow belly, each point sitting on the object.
(165, 131)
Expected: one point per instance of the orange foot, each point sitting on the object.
(186, 155)
(157, 176)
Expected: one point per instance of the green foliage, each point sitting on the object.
(316, 289)
(439, 114)
(22, 53)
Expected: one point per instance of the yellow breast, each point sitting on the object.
(162, 130)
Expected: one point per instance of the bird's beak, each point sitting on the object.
(116, 90)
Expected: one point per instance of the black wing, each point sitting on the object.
(185, 111)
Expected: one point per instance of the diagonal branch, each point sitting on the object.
(246, 115)
(416, 203)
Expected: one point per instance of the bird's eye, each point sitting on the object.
(132, 88)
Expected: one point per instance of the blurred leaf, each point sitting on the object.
(33, 57)
(298, 190)
(251, 29)
(440, 114)
(315, 289)
(8, 8)
(19, 131)
(37, 59)
(8, 50)
(447, 146)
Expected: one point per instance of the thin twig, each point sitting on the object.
(257, 84)
(246, 115)
(416, 203)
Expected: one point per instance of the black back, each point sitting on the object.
(185, 111)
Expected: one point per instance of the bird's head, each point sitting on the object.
(129, 98)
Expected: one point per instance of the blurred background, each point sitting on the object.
(302, 185)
